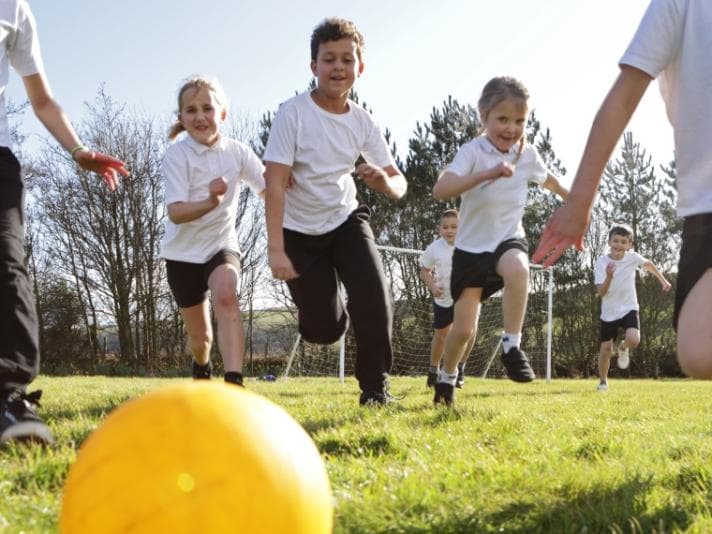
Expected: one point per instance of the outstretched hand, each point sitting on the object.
(566, 227)
(106, 166)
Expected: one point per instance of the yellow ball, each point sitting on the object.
(198, 457)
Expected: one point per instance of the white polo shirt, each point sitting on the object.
(621, 297)
(492, 211)
(188, 168)
(438, 257)
(674, 44)
(19, 47)
(322, 149)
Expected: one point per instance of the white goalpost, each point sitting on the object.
(412, 328)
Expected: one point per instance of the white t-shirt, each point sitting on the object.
(621, 297)
(674, 44)
(492, 212)
(322, 149)
(188, 169)
(438, 258)
(19, 47)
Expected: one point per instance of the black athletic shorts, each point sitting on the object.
(479, 269)
(695, 257)
(442, 316)
(189, 281)
(609, 329)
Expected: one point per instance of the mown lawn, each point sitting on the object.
(557, 457)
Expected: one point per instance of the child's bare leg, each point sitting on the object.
(632, 338)
(224, 283)
(604, 360)
(438, 345)
(513, 267)
(464, 327)
(694, 330)
(468, 349)
(200, 332)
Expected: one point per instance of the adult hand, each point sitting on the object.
(106, 166)
(566, 227)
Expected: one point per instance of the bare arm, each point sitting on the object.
(651, 268)
(426, 275)
(602, 289)
(57, 123)
(568, 224)
(183, 212)
(553, 184)
(450, 185)
(277, 178)
(387, 180)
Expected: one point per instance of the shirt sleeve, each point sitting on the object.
(427, 258)
(639, 260)
(464, 161)
(175, 176)
(252, 170)
(24, 50)
(375, 149)
(539, 169)
(282, 141)
(658, 37)
(599, 271)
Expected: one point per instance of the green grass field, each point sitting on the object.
(540, 457)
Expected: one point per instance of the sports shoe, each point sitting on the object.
(517, 365)
(460, 377)
(202, 372)
(603, 386)
(623, 357)
(18, 420)
(374, 397)
(444, 394)
(432, 379)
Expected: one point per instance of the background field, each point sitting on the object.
(556, 457)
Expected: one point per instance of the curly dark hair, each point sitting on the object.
(333, 29)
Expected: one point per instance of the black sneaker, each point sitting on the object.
(19, 422)
(444, 394)
(234, 378)
(202, 372)
(376, 398)
(432, 379)
(517, 365)
(460, 377)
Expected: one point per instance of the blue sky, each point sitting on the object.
(417, 53)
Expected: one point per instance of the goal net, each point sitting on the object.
(412, 328)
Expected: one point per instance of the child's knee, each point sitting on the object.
(606, 348)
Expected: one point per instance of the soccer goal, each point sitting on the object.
(412, 328)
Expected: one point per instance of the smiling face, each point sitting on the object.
(505, 122)
(336, 68)
(201, 114)
(448, 229)
(618, 245)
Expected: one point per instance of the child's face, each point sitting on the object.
(201, 115)
(505, 122)
(618, 245)
(448, 229)
(336, 67)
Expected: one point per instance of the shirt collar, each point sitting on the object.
(200, 148)
(487, 146)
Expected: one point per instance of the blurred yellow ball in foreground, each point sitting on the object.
(198, 457)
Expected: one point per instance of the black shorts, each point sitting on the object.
(480, 269)
(695, 257)
(609, 329)
(189, 281)
(442, 316)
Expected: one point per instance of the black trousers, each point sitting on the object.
(347, 254)
(19, 347)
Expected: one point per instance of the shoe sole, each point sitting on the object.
(28, 432)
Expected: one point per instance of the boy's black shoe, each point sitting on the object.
(432, 379)
(444, 394)
(18, 420)
(460, 377)
(517, 365)
(375, 397)
(202, 372)
(234, 378)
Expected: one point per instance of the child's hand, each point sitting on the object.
(503, 170)
(437, 291)
(610, 269)
(374, 177)
(281, 266)
(217, 188)
(667, 286)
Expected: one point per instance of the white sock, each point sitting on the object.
(445, 378)
(510, 340)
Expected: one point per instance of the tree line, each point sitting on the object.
(104, 304)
